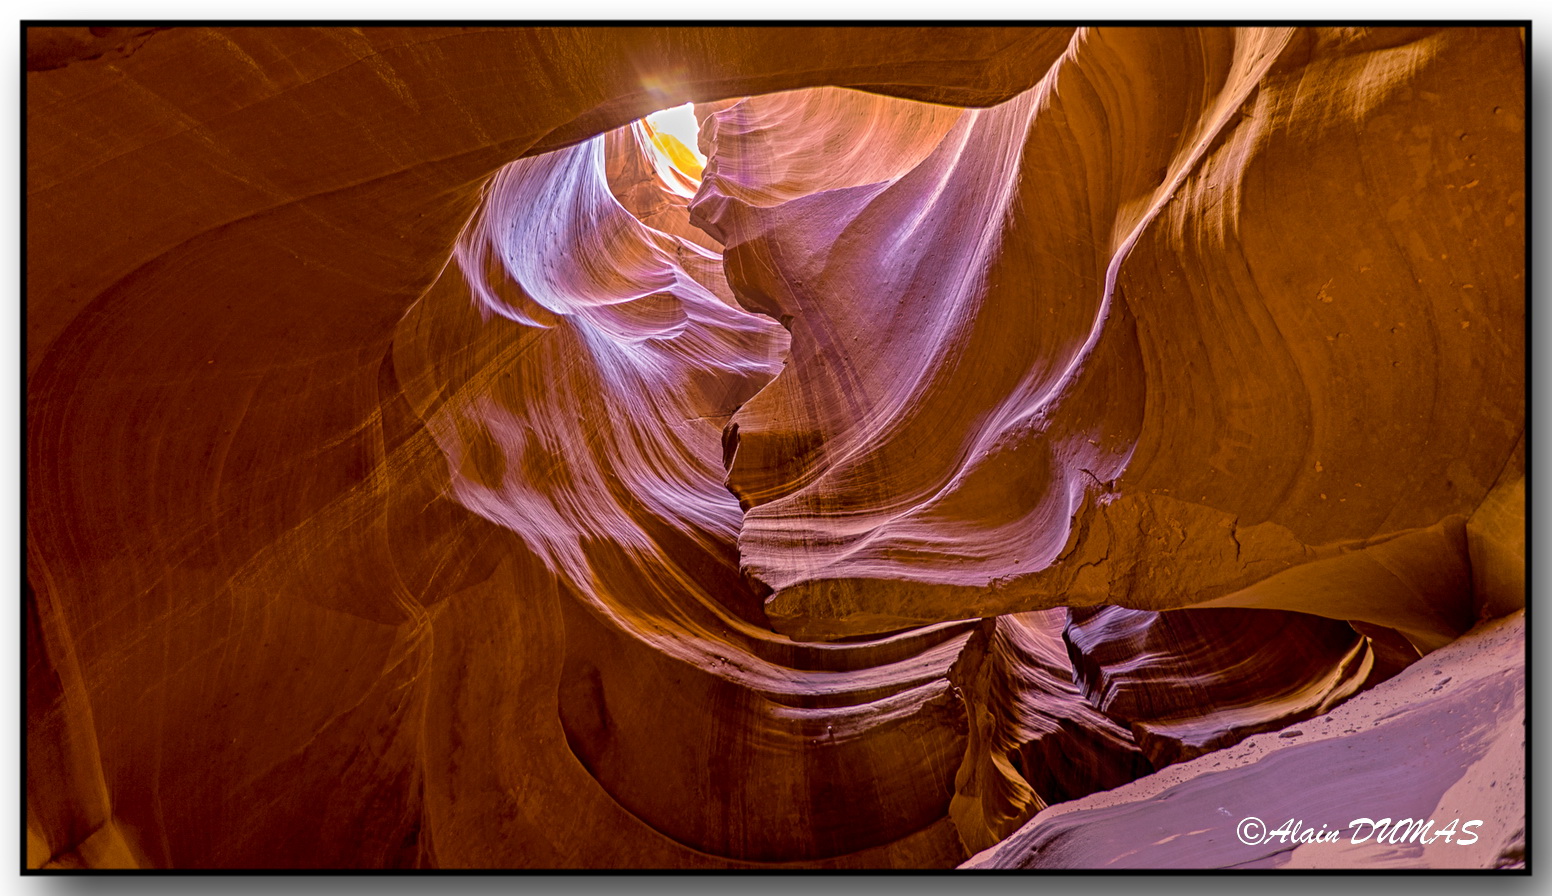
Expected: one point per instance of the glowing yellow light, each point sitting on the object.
(676, 134)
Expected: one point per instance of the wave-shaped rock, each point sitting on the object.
(252, 507)
(1034, 740)
(578, 374)
(1187, 682)
(1070, 357)
(424, 472)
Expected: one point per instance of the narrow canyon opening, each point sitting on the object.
(794, 549)
(673, 137)
(1036, 447)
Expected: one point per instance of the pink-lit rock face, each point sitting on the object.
(853, 505)
(1112, 345)
(1443, 740)
(579, 400)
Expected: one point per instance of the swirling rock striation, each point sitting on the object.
(233, 492)
(577, 374)
(1034, 740)
(543, 507)
(1070, 356)
(1190, 682)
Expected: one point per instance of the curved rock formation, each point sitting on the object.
(544, 500)
(1081, 309)
(1034, 740)
(1185, 689)
(576, 374)
(1444, 740)
(265, 241)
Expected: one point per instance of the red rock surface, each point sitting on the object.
(1274, 668)
(419, 479)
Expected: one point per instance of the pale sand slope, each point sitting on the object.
(1444, 739)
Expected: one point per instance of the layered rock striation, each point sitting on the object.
(1001, 416)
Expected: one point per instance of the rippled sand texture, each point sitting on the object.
(1009, 422)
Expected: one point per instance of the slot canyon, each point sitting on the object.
(773, 447)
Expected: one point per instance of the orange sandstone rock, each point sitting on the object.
(421, 475)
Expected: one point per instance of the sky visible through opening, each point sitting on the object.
(675, 135)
